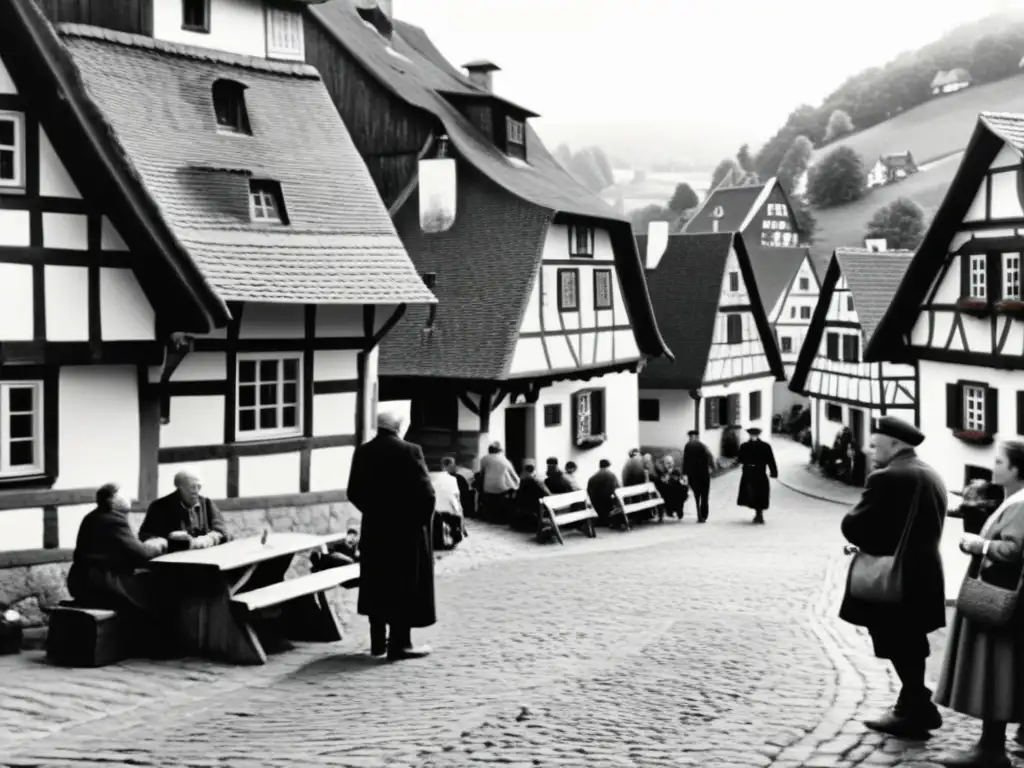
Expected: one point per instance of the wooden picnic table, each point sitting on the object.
(219, 590)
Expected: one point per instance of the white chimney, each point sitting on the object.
(481, 73)
(657, 243)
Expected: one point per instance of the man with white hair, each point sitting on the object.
(185, 510)
(390, 485)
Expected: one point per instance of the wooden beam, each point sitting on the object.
(470, 405)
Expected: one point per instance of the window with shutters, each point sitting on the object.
(722, 412)
(734, 281)
(786, 342)
(1011, 276)
(805, 313)
(851, 349)
(284, 34)
(650, 409)
(553, 414)
(568, 290)
(588, 418)
(581, 241)
(834, 412)
(977, 285)
(972, 411)
(832, 346)
(733, 329)
(755, 406)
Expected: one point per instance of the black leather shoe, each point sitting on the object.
(411, 652)
(903, 726)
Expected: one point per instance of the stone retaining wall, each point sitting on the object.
(33, 581)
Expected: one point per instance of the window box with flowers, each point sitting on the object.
(588, 408)
(974, 307)
(1013, 307)
(973, 437)
(972, 412)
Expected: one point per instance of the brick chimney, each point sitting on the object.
(481, 73)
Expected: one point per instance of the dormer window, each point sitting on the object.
(195, 15)
(229, 104)
(515, 137)
(581, 241)
(266, 205)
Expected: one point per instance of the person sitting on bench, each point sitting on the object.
(337, 553)
(601, 490)
(527, 502)
(102, 573)
(185, 510)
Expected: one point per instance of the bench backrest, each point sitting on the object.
(632, 491)
(563, 502)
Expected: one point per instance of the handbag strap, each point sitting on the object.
(905, 536)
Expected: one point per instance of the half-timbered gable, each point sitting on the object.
(544, 316)
(704, 292)
(844, 389)
(957, 312)
(206, 296)
(762, 214)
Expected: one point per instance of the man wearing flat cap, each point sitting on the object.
(698, 464)
(902, 488)
(390, 485)
(756, 456)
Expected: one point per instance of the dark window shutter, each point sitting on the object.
(597, 412)
(994, 275)
(733, 409)
(1020, 413)
(575, 417)
(991, 410)
(954, 406)
(709, 413)
(965, 275)
(832, 346)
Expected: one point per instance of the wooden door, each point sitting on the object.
(516, 435)
(857, 427)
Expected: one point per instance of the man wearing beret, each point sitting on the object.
(755, 457)
(900, 483)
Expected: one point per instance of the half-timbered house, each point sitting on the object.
(958, 310)
(761, 213)
(189, 275)
(544, 317)
(844, 389)
(727, 361)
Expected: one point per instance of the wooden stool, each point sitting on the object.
(85, 637)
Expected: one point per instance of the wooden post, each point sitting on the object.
(484, 436)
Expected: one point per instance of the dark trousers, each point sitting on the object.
(401, 636)
(701, 489)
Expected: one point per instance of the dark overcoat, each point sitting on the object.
(168, 514)
(107, 552)
(755, 457)
(391, 487)
(697, 463)
(876, 524)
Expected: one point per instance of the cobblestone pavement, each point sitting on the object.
(673, 645)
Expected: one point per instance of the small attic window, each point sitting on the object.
(515, 138)
(195, 15)
(229, 104)
(266, 204)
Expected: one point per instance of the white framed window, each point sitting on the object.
(284, 34)
(515, 131)
(12, 150)
(581, 240)
(1011, 276)
(21, 428)
(568, 290)
(602, 289)
(265, 204)
(766, 223)
(974, 409)
(268, 395)
(978, 282)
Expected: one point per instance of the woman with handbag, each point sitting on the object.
(983, 670)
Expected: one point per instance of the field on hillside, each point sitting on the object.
(937, 127)
(844, 226)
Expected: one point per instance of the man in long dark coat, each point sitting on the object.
(698, 464)
(390, 485)
(755, 457)
(899, 632)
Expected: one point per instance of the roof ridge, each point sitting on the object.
(100, 34)
(854, 251)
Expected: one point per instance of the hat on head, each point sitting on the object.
(901, 430)
(755, 431)
(604, 463)
(552, 462)
(692, 432)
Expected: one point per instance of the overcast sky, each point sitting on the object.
(714, 61)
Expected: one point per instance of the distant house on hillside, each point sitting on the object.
(891, 168)
(950, 82)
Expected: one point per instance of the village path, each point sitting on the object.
(673, 645)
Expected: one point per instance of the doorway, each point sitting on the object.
(518, 430)
(857, 427)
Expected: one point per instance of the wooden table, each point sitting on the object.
(204, 582)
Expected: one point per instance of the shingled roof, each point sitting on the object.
(994, 129)
(872, 278)
(774, 270)
(685, 288)
(339, 245)
(490, 241)
(735, 202)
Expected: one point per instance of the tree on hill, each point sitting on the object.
(839, 125)
(994, 57)
(805, 220)
(795, 162)
(723, 169)
(683, 199)
(802, 121)
(745, 159)
(839, 178)
(901, 222)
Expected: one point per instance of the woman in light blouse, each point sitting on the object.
(983, 670)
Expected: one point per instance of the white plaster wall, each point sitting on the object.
(334, 414)
(67, 303)
(329, 468)
(6, 83)
(195, 420)
(69, 231)
(272, 321)
(729, 361)
(16, 303)
(236, 26)
(785, 317)
(676, 418)
(270, 475)
(54, 179)
(20, 528)
(332, 364)
(14, 228)
(125, 312)
(341, 320)
(110, 238)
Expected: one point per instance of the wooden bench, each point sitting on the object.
(559, 511)
(646, 496)
(85, 637)
(303, 602)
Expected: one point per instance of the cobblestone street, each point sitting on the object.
(673, 645)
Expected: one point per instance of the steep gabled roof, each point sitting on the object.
(685, 288)
(339, 245)
(774, 271)
(871, 277)
(736, 204)
(414, 71)
(994, 129)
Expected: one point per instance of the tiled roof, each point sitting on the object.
(1009, 127)
(339, 246)
(774, 270)
(735, 202)
(486, 239)
(897, 159)
(873, 277)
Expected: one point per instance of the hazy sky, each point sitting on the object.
(713, 61)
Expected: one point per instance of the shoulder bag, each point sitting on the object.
(987, 604)
(879, 578)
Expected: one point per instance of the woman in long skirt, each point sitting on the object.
(983, 670)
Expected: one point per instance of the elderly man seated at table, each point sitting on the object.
(102, 575)
(185, 511)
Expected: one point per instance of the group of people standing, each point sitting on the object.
(898, 524)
